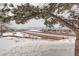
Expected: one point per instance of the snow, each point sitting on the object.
(27, 46)
(19, 34)
(16, 34)
(6, 44)
(4, 34)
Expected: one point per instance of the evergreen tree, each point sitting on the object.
(52, 13)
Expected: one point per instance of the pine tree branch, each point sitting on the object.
(63, 21)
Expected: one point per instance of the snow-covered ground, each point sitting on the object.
(26, 46)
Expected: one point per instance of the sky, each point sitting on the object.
(32, 23)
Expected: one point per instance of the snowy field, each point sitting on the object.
(10, 46)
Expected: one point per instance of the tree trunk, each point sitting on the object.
(73, 28)
(1, 29)
(77, 44)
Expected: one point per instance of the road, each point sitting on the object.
(46, 35)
